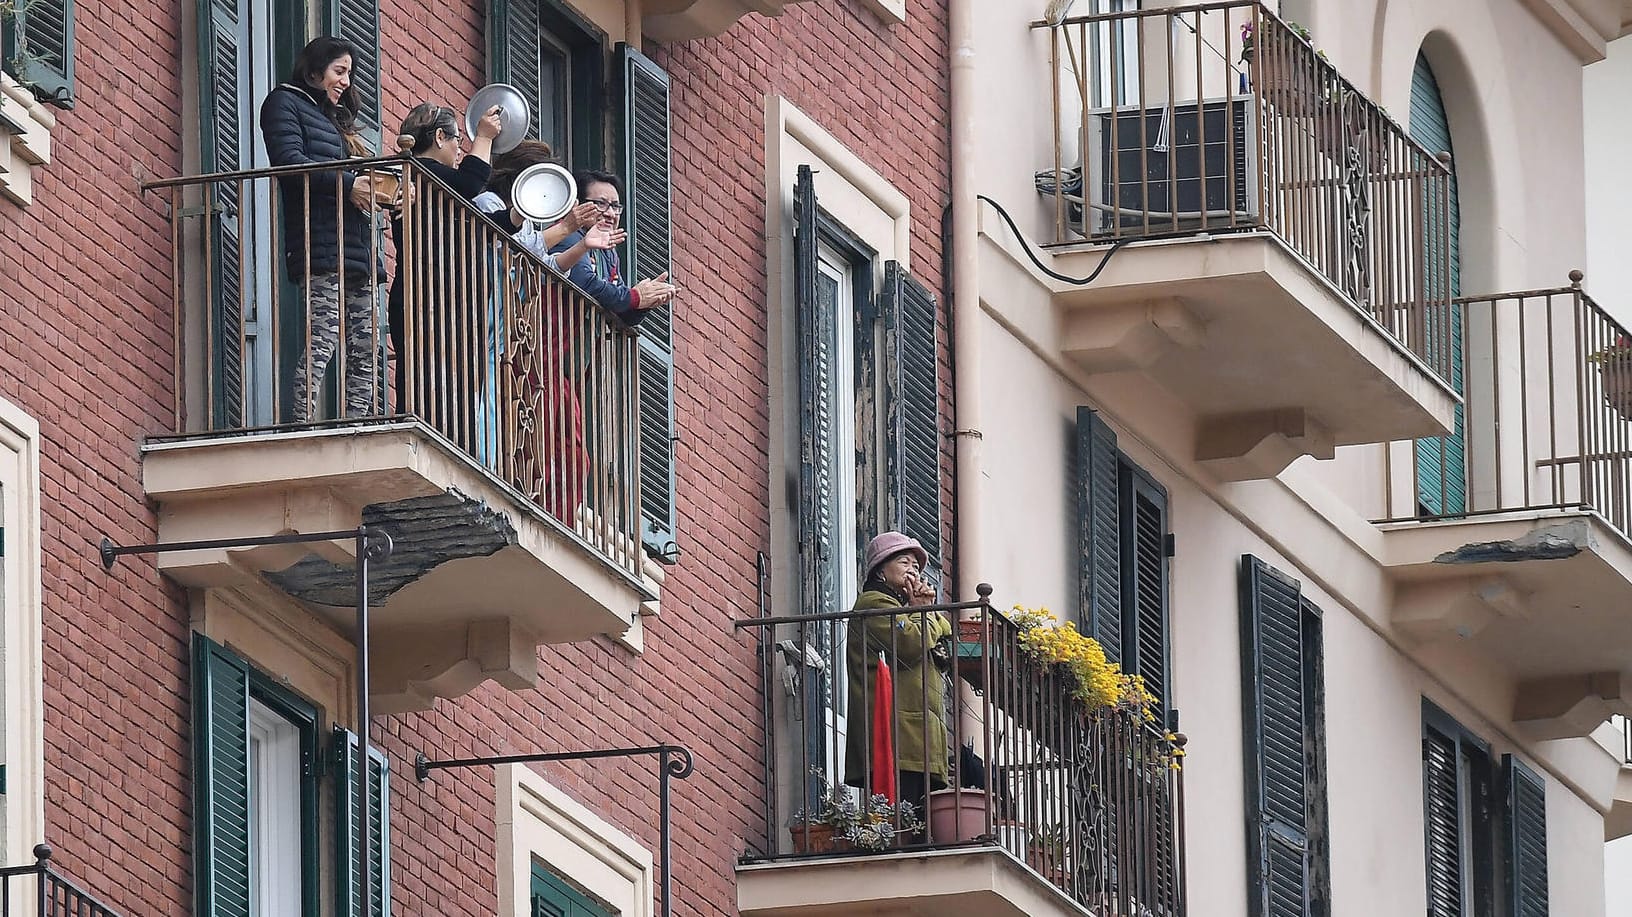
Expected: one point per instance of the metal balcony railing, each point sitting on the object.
(1091, 800)
(40, 891)
(498, 353)
(1547, 421)
(1220, 117)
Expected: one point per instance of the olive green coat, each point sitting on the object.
(917, 680)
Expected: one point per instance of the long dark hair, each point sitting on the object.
(308, 72)
(509, 164)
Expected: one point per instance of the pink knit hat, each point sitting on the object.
(887, 545)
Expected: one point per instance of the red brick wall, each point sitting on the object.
(84, 346)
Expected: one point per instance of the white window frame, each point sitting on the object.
(536, 822)
(22, 707)
(275, 880)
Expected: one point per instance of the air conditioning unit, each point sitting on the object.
(1171, 165)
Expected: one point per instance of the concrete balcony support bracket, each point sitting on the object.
(414, 667)
(1455, 608)
(681, 20)
(1257, 445)
(1132, 335)
(1570, 706)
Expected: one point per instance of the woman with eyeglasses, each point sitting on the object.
(600, 274)
(328, 235)
(431, 134)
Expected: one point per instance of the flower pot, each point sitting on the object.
(1615, 373)
(817, 838)
(956, 816)
(1287, 87)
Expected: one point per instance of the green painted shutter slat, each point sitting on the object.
(1526, 840)
(347, 812)
(912, 402)
(818, 409)
(1442, 821)
(554, 898)
(1099, 550)
(39, 47)
(515, 53)
(223, 60)
(358, 21)
(1144, 575)
(1276, 719)
(1441, 461)
(645, 165)
(220, 780)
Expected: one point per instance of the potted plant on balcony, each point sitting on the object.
(1281, 76)
(826, 826)
(1615, 374)
(1045, 852)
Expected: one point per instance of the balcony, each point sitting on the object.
(1509, 537)
(503, 470)
(1058, 809)
(1272, 242)
(39, 890)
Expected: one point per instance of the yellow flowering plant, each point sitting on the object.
(1095, 681)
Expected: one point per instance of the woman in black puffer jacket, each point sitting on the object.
(329, 246)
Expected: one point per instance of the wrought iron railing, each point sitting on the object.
(40, 891)
(1090, 800)
(496, 352)
(1219, 117)
(1547, 419)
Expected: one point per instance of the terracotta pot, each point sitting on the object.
(817, 838)
(1287, 87)
(956, 816)
(972, 631)
(1616, 375)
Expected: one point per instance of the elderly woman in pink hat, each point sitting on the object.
(892, 578)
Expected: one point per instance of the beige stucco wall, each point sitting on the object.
(1522, 171)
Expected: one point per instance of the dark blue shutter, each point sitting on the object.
(220, 781)
(38, 48)
(1526, 840)
(1443, 826)
(358, 21)
(1144, 580)
(912, 432)
(347, 812)
(646, 174)
(1275, 720)
(1099, 550)
(224, 150)
(1441, 461)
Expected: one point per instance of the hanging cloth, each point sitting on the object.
(883, 763)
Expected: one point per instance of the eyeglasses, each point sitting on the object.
(606, 206)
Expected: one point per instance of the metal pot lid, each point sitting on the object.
(514, 117)
(544, 192)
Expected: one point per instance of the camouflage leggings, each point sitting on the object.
(364, 381)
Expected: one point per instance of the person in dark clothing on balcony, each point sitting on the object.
(328, 237)
(497, 201)
(440, 266)
(599, 274)
(908, 644)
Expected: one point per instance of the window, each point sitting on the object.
(37, 47)
(560, 63)
(22, 711)
(1485, 832)
(257, 782)
(557, 858)
(1283, 706)
(1124, 545)
(553, 897)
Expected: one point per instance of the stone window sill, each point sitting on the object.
(25, 140)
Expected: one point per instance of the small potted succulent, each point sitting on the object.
(881, 822)
(825, 827)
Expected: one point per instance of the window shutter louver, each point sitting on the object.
(1526, 839)
(646, 177)
(1442, 817)
(515, 54)
(1099, 574)
(358, 21)
(39, 47)
(1144, 558)
(1275, 718)
(818, 405)
(912, 406)
(223, 59)
(220, 781)
(346, 818)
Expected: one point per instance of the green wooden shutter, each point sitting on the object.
(1275, 720)
(358, 21)
(346, 817)
(555, 898)
(1145, 586)
(38, 39)
(912, 432)
(1526, 840)
(514, 50)
(819, 514)
(1441, 461)
(222, 60)
(220, 781)
(1443, 828)
(1099, 546)
(645, 163)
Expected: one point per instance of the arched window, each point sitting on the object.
(1442, 477)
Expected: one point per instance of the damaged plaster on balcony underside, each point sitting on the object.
(1553, 543)
(425, 533)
